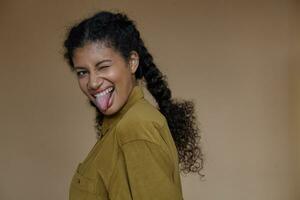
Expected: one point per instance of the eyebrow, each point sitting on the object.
(97, 64)
(103, 61)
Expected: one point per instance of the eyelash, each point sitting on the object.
(81, 74)
(102, 67)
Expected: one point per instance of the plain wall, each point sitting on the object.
(236, 59)
(295, 85)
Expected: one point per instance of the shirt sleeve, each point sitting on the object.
(149, 173)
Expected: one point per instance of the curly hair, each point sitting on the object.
(116, 30)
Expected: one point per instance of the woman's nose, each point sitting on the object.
(94, 82)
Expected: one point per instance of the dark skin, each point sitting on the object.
(99, 69)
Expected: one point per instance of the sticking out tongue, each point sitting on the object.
(103, 101)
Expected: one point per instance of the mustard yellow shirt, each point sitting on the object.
(136, 157)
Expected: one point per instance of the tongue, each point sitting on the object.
(102, 101)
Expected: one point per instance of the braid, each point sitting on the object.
(179, 114)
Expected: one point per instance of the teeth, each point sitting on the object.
(104, 92)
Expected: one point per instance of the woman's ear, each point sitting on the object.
(133, 61)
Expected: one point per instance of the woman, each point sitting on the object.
(141, 149)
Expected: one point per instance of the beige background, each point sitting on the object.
(294, 62)
(238, 60)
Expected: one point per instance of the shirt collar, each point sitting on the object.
(111, 120)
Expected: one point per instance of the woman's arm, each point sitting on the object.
(144, 171)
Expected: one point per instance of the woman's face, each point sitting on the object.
(104, 76)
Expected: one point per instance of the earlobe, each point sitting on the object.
(134, 61)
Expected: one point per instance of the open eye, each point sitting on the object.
(81, 73)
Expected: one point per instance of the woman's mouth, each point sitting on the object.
(103, 99)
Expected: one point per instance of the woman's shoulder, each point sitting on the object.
(141, 122)
(144, 111)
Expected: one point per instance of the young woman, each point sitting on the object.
(141, 148)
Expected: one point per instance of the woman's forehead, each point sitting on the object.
(93, 52)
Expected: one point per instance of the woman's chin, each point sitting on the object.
(107, 112)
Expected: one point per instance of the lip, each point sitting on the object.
(94, 93)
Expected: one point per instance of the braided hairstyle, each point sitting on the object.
(117, 31)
